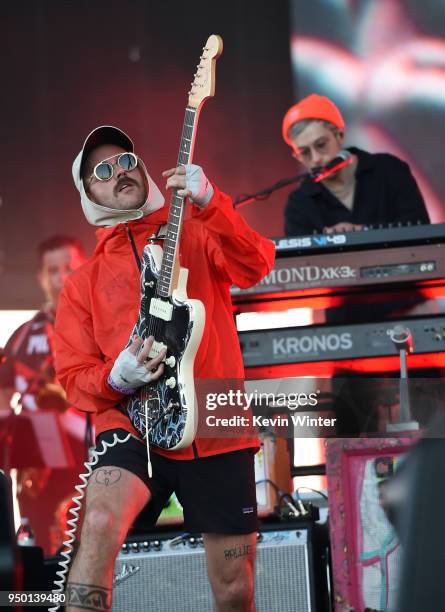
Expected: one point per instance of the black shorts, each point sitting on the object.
(217, 493)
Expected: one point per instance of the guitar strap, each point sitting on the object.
(161, 234)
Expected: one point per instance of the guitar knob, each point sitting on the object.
(170, 361)
(171, 382)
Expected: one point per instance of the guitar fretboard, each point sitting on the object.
(164, 285)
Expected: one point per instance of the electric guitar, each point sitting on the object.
(166, 409)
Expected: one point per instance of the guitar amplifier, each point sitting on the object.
(161, 575)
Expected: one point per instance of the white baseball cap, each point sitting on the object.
(97, 214)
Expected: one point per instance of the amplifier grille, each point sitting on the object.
(175, 579)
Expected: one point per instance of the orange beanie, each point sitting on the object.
(312, 107)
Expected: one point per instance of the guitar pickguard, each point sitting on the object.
(168, 411)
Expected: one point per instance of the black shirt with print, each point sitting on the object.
(28, 357)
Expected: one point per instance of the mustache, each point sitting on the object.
(124, 181)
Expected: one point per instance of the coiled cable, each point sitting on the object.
(77, 500)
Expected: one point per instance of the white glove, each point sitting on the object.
(198, 184)
(133, 368)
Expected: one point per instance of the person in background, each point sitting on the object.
(27, 369)
(372, 189)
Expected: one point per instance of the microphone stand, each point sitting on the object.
(7, 441)
(316, 176)
(402, 339)
(265, 193)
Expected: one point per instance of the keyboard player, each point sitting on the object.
(371, 189)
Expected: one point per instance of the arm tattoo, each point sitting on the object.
(88, 597)
(239, 551)
(107, 476)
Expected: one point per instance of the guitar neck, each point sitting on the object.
(167, 277)
(203, 87)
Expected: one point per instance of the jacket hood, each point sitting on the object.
(103, 216)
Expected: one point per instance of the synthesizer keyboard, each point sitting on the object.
(375, 238)
(350, 261)
(333, 343)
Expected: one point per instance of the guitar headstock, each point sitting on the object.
(203, 85)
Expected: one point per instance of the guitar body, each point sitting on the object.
(173, 395)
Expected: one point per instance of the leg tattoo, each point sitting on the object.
(88, 597)
(107, 476)
(238, 551)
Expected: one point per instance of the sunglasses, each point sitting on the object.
(104, 171)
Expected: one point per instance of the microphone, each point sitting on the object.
(344, 158)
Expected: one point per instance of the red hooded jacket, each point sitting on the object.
(99, 306)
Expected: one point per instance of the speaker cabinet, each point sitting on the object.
(170, 574)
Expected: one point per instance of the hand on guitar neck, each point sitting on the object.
(191, 182)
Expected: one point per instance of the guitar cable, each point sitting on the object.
(77, 500)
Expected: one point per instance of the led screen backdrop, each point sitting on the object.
(383, 63)
(70, 66)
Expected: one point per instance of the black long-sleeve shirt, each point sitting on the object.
(386, 192)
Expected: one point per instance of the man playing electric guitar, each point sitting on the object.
(213, 477)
